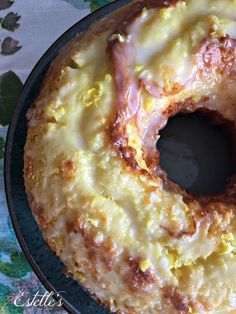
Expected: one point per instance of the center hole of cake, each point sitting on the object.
(196, 153)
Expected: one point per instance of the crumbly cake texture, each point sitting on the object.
(136, 241)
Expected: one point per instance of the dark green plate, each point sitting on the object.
(44, 263)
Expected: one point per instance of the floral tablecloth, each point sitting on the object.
(28, 28)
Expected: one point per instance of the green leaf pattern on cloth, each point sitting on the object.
(4, 292)
(78, 4)
(15, 273)
(10, 88)
(17, 267)
(94, 4)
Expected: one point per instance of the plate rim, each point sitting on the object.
(94, 16)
